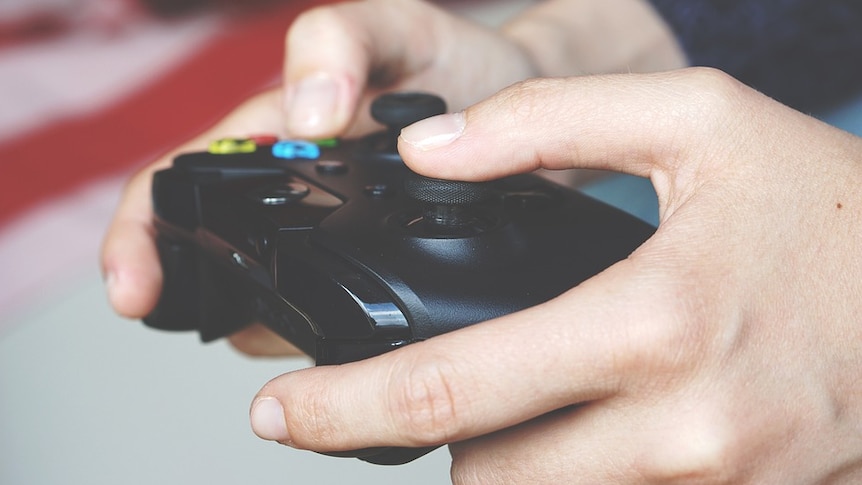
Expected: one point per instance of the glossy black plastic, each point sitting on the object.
(346, 265)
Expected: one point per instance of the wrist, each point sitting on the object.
(574, 37)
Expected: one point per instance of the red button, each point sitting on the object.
(264, 139)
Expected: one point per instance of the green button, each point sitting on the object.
(327, 142)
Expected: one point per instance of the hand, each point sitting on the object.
(726, 349)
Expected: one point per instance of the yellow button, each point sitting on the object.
(225, 146)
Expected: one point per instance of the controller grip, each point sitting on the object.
(179, 305)
(199, 294)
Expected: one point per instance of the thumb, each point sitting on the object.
(632, 123)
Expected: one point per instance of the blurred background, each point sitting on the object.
(91, 90)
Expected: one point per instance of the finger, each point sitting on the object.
(334, 53)
(129, 258)
(340, 57)
(450, 387)
(632, 123)
(259, 341)
(130, 262)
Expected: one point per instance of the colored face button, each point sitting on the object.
(327, 142)
(292, 149)
(226, 146)
(264, 139)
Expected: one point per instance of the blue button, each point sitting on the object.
(291, 149)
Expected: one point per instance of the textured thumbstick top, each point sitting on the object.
(446, 192)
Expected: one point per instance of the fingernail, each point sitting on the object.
(267, 420)
(112, 285)
(434, 132)
(311, 103)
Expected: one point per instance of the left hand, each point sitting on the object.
(129, 257)
(726, 349)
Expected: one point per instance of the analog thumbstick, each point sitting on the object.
(397, 110)
(448, 205)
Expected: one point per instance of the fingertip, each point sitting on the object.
(325, 69)
(132, 292)
(131, 268)
(454, 146)
(317, 105)
(434, 132)
(268, 420)
(436, 147)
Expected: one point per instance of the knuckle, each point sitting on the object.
(703, 459)
(667, 345)
(717, 96)
(701, 107)
(426, 402)
(716, 81)
(529, 101)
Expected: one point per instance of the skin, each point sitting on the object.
(724, 350)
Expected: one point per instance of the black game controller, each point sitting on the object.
(343, 251)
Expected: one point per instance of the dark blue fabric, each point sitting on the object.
(805, 53)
